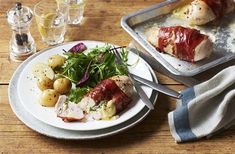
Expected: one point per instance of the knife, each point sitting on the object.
(138, 89)
(157, 87)
(141, 93)
(188, 81)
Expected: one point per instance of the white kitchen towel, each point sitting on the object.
(205, 109)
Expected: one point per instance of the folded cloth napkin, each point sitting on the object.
(205, 109)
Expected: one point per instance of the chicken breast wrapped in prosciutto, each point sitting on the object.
(184, 43)
(200, 12)
(108, 98)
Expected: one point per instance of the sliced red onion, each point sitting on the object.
(79, 48)
(85, 76)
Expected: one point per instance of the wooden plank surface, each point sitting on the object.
(101, 22)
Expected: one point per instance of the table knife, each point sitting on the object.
(141, 93)
(157, 87)
(138, 89)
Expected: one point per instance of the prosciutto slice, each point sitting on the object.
(184, 43)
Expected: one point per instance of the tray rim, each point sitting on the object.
(156, 55)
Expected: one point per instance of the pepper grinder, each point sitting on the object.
(22, 44)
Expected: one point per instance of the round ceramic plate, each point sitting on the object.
(54, 132)
(29, 93)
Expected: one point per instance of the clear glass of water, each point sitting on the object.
(51, 17)
(76, 10)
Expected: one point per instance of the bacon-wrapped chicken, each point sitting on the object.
(200, 12)
(184, 43)
(113, 95)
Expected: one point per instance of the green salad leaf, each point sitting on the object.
(75, 95)
(92, 66)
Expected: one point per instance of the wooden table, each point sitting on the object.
(102, 22)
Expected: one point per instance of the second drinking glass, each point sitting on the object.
(51, 17)
(76, 10)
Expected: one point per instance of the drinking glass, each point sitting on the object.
(76, 10)
(51, 17)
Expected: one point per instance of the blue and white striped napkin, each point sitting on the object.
(205, 109)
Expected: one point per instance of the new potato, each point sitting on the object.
(49, 98)
(44, 83)
(56, 61)
(62, 85)
(41, 69)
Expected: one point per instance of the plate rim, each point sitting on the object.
(13, 82)
(75, 128)
(76, 134)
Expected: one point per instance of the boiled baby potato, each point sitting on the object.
(108, 110)
(62, 85)
(49, 98)
(41, 69)
(56, 61)
(44, 83)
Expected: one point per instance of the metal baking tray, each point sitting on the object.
(222, 34)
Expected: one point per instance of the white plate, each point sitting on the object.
(54, 132)
(29, 93)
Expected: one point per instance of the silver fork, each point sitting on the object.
(139, 90)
